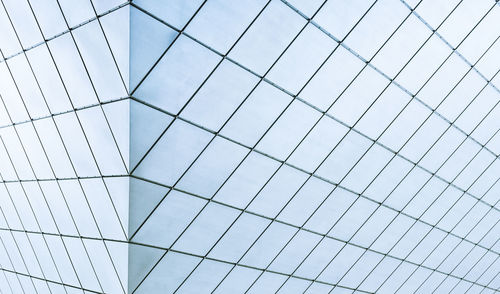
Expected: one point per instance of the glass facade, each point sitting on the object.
(250, 146)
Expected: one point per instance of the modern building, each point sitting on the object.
(250, 146)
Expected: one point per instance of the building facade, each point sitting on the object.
(249, 146)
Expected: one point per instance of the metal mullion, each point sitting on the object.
(498, 221)
(17, 212)
(179, 33)
(460, 242)
(45, 242)
(295, 226)
(319, 178)
(310, 174)
(192, 163)
(434, 143)
(474, 282)
(407, 141)
(297, 168)
(88, 142)
(432, 226)
(29, 162)
(19, 217)
(405, 145)
(450, 155)
(10, 259)
(5, 276)
(491, 281)
(251, 149)
(62, 179)
(176, 116)
(350, 128)
(456, 49)
(461, 219)
(475, 264)
(251, 267)
(174, 250)
(102, 109)
(473, 246)
(54, 282)
(387, 77)
(34, 215)
(298, 98)
(224, 56)
(486, 270)
(69, 157)
(170, 249)
(2, 59)
(63, 112)
(95, 91)
(491, 207)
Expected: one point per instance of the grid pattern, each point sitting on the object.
(251, 147)
(64, 146)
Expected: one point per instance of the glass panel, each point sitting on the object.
(376, 26)
(339, 16)
(337, 203)
(169, 219)
(443, 81)
(367, 169)
(170, 272)
(360, 95)
(76, 13)
(178, 74)
(424, 64)
(175, 12)
(294, 252)
(101, 141)
(268, 245)
(76, 144)
(28, 88)
(399, 49)
(24, 22)
(268, 36)
(8, 39)
(353, 219)
(212, 168)
(310, 196)
(206, 229)
(256, 114)
(72, 71)
(344, 157)
(178, 147)
(289, 130)
(239, 237)
(481, 37)
(341, 264)
(238, 280)
(435, 12)
(302, 59)
(99, 62)
(223, 92)
(206, 277)
(49, 17)
(462, 20)
(332, 78)
(219, 23)
(318, 143)
(247, 180)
